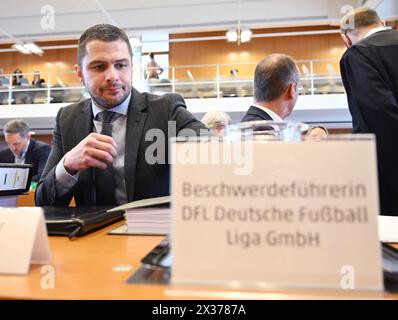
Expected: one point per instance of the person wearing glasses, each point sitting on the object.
(369, 71)
(276, 89)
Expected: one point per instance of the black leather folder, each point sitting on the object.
(390, 267)
(77, 221)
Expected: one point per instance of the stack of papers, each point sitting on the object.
(148, 216)
(148, 220)
(388, 228)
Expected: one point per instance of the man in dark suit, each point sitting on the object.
(23, 149)
(276, 88)
(112, 148)
(369, 71)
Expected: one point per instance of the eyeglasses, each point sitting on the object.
(299, 86)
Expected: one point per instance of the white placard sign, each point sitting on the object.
(291, 214)
(23, 239)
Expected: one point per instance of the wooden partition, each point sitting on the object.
(303, 47)
(58, 62)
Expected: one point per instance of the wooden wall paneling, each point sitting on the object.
(311, 47)
(57, 61)
(306, 47)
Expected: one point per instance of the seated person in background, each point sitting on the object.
(153, 69)
(317, 133)
(18, 79)
(276, 89)
(37, 81)
(101, 154)
(216, 121)
(23, 149)
(3, 80)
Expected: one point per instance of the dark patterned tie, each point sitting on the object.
(104, 178)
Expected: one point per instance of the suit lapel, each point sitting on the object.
(135, 126)
(8, 157)
(29, 152)
(84, 126)
(85, 122)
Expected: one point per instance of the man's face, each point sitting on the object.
(106, 72)
(16, 143)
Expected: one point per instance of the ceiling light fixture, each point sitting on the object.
(245, 35)
(239, 35)
(28, 48)
(21, 48)
(34, 48)
(232, 36)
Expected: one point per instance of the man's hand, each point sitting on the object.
(96, 150)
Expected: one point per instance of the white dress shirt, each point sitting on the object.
(65, 181)
(21, 158)
(373, 31)
(271, 113)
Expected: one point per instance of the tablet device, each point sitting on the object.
(15, 178)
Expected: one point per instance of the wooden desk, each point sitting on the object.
(84, 269)
(28, 200)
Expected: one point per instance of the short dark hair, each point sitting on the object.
(273, 74)
(102, 32)
(359, 18)
(17, 126)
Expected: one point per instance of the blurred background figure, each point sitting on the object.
(317, 133)
(153, 69)
(23, 149)
(3, 80)
(18, 79)
(234, 73)
(216, 121)
(37, 81)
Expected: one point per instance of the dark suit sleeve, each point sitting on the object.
(41, 155)
(371, 100)
(6, 156)
(46, 193)
(184, 119)
(374, 109)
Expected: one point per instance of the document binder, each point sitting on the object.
(390, 267)
(78, 221)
